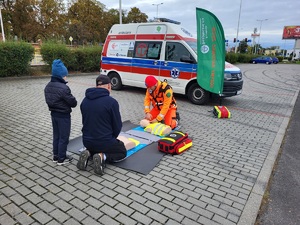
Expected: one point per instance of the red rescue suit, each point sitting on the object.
(163, 104)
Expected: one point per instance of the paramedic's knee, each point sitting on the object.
(173, 124)
(170, 118)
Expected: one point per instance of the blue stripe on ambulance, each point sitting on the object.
(172, 69)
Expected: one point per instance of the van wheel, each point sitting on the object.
(197, 95)
(116, 82)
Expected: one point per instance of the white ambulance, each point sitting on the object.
(163, 49)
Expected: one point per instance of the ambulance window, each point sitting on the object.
(174, 51)
(147, 50)
(154, 50)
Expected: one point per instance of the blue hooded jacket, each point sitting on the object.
(101, 118)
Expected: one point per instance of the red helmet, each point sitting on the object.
(150, 81)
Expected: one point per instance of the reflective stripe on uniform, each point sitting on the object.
(158, 128)
(161, 115)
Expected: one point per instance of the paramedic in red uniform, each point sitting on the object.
(160, 96)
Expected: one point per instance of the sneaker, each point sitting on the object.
(83, 160)
(55, 159)
(99, 164)
(64, 161)
(177, 116)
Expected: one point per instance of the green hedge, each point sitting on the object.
(84, 59)
(15, 58)
(51, 51)
(231, 58)
(88, 58)
(239, 58)
(280, 58)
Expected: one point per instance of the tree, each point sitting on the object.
(86, 21)
(33, 19)
(243, 46)
(111, 18)
(136, 16)
(23, 20)
(274, 47)
(51, 18)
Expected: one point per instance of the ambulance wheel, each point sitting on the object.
(116, 82)
(197, 95)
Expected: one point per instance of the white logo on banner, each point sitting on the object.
(204, 49)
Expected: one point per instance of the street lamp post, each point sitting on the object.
(2, 27)
(238, 27)
(261, 21)
(120, 11)
(157, 9)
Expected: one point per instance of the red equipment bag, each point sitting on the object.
(175, 143)
(221, 112)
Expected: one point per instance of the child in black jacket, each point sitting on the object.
(60, 101)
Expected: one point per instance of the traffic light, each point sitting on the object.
(246, 40)
(234, 40)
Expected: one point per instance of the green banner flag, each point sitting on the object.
(210, 51)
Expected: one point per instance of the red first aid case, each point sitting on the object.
(175, 143)
(221, 112)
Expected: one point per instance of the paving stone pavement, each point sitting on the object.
(220, 180)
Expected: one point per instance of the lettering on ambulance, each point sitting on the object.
(114, 46)
(117, 55)
(186, 32)
(119, 48)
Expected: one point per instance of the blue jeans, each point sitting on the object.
(61, 133)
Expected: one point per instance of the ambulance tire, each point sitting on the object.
(197, 95)
(116, 82)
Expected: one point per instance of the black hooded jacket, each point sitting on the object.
(101, 118)
(58, 97)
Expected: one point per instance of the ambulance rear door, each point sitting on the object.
(146, 58)
(147, 51)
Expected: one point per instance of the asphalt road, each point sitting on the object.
(220, 180)
(283, 205)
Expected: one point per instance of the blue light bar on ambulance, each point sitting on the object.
(167, 20)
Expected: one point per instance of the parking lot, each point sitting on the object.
(220, 180)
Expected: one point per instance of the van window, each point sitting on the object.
(174, 51)
(147, 50)
(193, 45)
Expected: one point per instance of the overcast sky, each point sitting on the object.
(279, 13)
